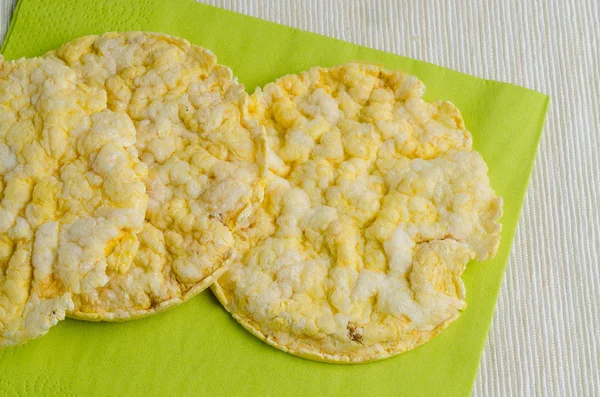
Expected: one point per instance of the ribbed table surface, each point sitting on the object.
(545, 335)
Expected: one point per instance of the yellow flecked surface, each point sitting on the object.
(203, 166)
(68, 192)
(375, 203)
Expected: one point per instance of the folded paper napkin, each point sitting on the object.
(197, 348)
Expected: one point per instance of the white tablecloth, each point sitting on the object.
(546, 332)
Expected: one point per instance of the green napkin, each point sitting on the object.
(197, 349)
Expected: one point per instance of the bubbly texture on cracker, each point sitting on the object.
(333, 211)
(188, 116)
(374, 204)
(69, 192)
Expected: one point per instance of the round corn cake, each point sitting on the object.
(204, 167)
(71, 187)
(375, 203)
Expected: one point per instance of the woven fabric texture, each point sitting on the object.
(545, 338)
